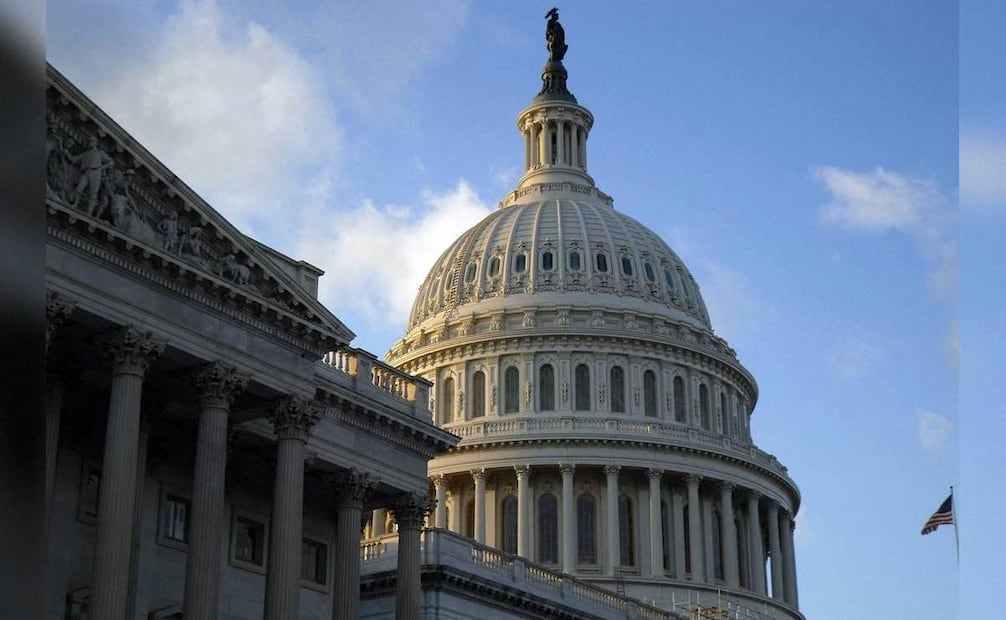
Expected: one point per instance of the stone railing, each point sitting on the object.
(545, 188)
(369, 373)
(633, 429)
(442, 548)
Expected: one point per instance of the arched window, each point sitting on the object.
(684, 287)
(626, 555)
(581, 377)
(602, 263)
(447, 401)
(494, 266)
(665, 527)
(470, 518)
(688, 539)
(616, 377)
(586, 529)
(479, 394)
(548, 529)
(650, 393)
(723, 414)
(627, 265)
(520, 263)
(546, 261)
(734, 422)
(470, 273)
(546, 388)
(717, 547)
(704, 405)
(680, 413)
(669, 279)
(574, 260)
(509, 524)
(648, 269)
(511, 390)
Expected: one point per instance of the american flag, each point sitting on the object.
(944, 515)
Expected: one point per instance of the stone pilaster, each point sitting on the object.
(728, 535)
(409, 511)
(775, 550)
(757, 550)
(695, 543)
(217, 385)
(523, 510)
(292, 419)
(614, 559)
(480, 504)
(568, 519)
(787, 526)
(350, 489)
(440, 489)
(656, 532)
(132, 353)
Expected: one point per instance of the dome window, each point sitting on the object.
(511, 390)
(574, 260)
(669, 279)
(627, 265)
(520, 263)
(546, 261)
(650, 393)
(470, 273)
(648, 268)
(581, 399)
(602, 263)
(616, 379)
(479, 394)
(494, 267)
(704, 406)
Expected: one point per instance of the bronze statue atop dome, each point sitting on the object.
(555, 36)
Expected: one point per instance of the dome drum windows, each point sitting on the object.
(574, 260)
(511, 390)
(548, 529)
(547, 260)
(581, 392)
(470, 273)
(586, 529)
(546, 388)
(494, 266)
(627, 267)
(704, 406)
(650, 393)
(648, 270)
(601, 262)
(478, 399)
(680, 412)
(520, 262)
(616, 381)
(447, 401)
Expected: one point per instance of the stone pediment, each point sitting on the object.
(105, 192)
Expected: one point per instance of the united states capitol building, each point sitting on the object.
(557, 434)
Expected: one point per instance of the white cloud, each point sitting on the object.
(882, 201)
(935, 431)
(983, 168)
(232, 110)
(855, 357)
(375, 258)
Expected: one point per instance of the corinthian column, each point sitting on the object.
(656, 531)
(409, 511)
(757, 551)
(440, 514)
(480, 504)
(523, 510)
(695, 544)
(568, 520)
(728, 535)
(292, 420)
(788, 559)
(614, 558)
(350, 489)
(774, 550)
(132, 353)
(218, 384)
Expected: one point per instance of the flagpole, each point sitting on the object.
(957, 536)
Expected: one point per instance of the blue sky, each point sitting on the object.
(802, 158)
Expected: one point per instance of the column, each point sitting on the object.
(656, 532)
(377, 519)
(757, 552)
(454, 518)
(132, 354)
(292, 420)
(57, 310)
(614, 558)
(523, 510)
(409, 511)
(535, 131)
(545, 154)
(788, 559)
(55, 387)
(527, 148)
(774, 550)
(560, 142)
(707, 538)
(695, 529)
(480, 504)
(349, 489)
(678, 529)
(568, 519)
(574, 158)
(440, 514)
(728, 535)
(137, 532)
(218, 384)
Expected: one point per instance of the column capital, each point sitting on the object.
(133, 351)
(522, 471)
(438, 480)
(612, 470)
(294, 418)
(219, 384)
(754, 495)
(654, 474)
(57, 310)
(693, 479)
(351, 487)
(726, 486)
(409, 510)
(479, 474)
(567, 468)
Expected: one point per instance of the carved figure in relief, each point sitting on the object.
(235, 271)
(92, 163)
(169, 228)
(192, 242)
(55, 163)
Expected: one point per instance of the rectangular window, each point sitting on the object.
(314, 562)
(249, 541)
(175, 518)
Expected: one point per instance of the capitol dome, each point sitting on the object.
(605, 429)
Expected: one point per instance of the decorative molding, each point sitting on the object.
(133, 351)
(409, 510)
(219, 384)
(350, 488)
(294, 418)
